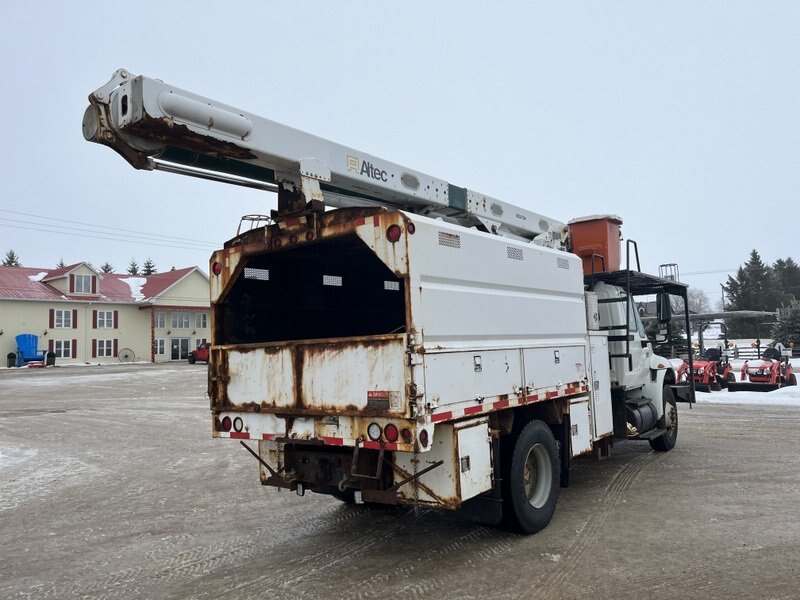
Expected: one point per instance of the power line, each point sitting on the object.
(113, 239)
(709, 272)
(125, 237)
(147, 233)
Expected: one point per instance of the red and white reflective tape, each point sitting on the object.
(489, 405)
(327, 440)
(466, 409)
(292, 222)
(376, 221)
(245, 435)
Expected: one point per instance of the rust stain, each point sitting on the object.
(169, 133)
(446, 502)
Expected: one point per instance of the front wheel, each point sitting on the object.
(669, 421)
(792, 379)
(192, 359)
(532, 481)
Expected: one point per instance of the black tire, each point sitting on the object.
(531, 485)
(669, 421)
(192, 359)
(792, 380)
(731, 378)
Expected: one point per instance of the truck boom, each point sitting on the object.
(421, 343)
(154, 125)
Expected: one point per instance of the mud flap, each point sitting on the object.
(486, 509)
(683, 392)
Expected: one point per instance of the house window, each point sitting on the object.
(199, 341)
(201, 320)
(105, 320)
(105, 348)
(83, 284)
(63, 319)
(62, 348)
(180, 320)
(159, 320)
(160, 346)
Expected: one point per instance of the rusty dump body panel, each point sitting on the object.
(308, 319)
(273, 377)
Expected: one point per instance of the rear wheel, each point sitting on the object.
(669, 421)
(792, 379)
(531, 485)
(192, 359)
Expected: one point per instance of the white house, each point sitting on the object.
(85, 316)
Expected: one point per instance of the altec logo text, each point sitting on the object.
(363, 167)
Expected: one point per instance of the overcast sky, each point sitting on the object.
(681, 117)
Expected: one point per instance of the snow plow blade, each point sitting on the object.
(746, 386)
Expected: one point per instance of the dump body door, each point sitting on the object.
(345, 376)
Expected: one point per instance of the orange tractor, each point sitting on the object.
(771, 371)
(711, 370)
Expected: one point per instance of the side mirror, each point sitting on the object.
(663, 308)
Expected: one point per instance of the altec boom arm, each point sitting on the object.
(154, 125)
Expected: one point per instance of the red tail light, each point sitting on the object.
(226, 424)
(407, 436)
(216, 268)
(393, 233)
(423, 438)
(411, 228)
(390, 433)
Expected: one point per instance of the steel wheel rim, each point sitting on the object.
(671, 418)
(537, 476)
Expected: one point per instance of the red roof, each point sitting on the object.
(26, 283)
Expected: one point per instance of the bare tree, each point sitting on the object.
(698, 301)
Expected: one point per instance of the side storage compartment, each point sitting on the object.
(464, 450)
(600, 385)
(580, 427)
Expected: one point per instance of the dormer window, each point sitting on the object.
(83, 284)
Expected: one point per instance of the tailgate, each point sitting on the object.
(346, 376)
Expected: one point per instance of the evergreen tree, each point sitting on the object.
(133, 267)
(755, 287)
(61, 264)
(149, 267)
(107, 268)
(787, 328)
(11, 259)
(787, 272)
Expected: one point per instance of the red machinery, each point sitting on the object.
(770, 372)
(711, 371)
(199, 355)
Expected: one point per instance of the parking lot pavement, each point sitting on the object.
(112, 487)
